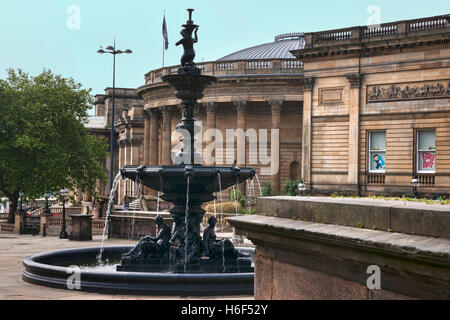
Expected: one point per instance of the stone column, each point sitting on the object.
(211, 111)
(146, 137)
(166, 135)
(308, 85)
(355, 81)
(275, 105)
(154, 123)
(241, 108)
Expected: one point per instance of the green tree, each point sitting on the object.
(43, 142)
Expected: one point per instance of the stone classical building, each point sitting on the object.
(359, 110)
(376, 110)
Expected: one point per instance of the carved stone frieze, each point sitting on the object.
(409, 91)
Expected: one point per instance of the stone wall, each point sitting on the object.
(306, 260)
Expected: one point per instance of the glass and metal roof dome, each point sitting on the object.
(279, 49)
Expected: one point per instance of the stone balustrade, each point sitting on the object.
(409, 28)
(223, 68)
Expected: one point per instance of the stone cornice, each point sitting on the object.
(368, 41)
(160, 90)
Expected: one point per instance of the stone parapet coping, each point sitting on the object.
(414, 266)
(398, 243)
(386, 215)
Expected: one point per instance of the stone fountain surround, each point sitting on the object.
(41, 269)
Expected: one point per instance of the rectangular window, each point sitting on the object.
(426, 151)
(377, 151)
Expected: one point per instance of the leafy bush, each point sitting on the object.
(228, 207)
(266, 189)
(290, 187)
(236, 196)
(248, 211)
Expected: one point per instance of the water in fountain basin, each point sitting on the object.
(108, 213)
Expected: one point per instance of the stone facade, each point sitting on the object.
(345, 85)
(393, 79)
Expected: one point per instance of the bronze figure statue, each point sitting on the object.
(152, 247)
(214, 247)
(187, 60)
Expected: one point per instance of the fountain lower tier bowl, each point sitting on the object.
(53, 269)
(173, 179)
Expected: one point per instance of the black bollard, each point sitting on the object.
(44, 231)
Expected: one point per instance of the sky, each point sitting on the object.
(64, 35)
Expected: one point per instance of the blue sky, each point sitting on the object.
(34, 33)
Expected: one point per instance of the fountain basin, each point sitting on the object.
(203, 179)
(51, 269)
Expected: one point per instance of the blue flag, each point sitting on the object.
(164, 33)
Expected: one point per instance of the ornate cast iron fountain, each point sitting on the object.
(187, 184)
(176, 261)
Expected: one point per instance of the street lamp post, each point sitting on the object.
(301, 187)
(112, 50)
(415, 184)
(47, 208)
(63, 234)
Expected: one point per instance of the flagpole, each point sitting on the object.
(164, 42)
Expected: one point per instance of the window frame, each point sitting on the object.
(418, 151)
(370, 151)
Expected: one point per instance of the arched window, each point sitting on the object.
(294, 171)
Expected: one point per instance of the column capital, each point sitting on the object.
(147, 114)
(165, 110)
(210, 107)
(275, 105)
(197, 110)
(241, 106)
(135, 141)
(308, 83)
(355, 80)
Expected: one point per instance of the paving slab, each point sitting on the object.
(14, 248)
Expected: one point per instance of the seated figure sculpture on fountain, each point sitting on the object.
(214, 247)
(152, 247)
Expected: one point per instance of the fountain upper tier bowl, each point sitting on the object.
(202, 179)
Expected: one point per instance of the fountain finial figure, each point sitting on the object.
(187, 60)
(152, 247)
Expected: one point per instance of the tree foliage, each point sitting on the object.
(43, 142)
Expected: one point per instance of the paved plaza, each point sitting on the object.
(14, 248)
